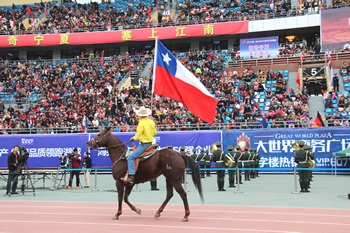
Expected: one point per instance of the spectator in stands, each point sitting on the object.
(336, 83)
(344, 69)
(317, 49)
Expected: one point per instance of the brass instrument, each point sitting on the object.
(310, 162)
(230, 160)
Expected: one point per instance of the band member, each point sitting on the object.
(246, 163)
(220, 159)
(257, 159)
(239, 158)
(208, 160)
(154, 182)
(311, 155)
(301, 158)
(231, 173)
(202, 162)
(182, 151)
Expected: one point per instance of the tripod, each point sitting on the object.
(24, 175)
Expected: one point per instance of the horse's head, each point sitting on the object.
(100, 140)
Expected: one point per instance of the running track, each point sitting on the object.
(32, 216)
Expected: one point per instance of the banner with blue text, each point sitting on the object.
(274, 146)
(44, 150)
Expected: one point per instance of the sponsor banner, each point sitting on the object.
(45, 150)
(335, 29)
(190, 140)
(274, 146)
(259, 47)
(203, 30)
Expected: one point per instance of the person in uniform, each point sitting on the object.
(252, 163)
(301, 159)
(238, 159)
(220, 159)
(195, 156)
(182, 151)
(208, 160)
(202, 162)
(154, 182)
(312, 156)
(257, 159)
(231, 173)
(246, 163)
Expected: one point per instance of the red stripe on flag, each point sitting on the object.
(200, 104)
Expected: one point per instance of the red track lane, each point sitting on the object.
(92, 217)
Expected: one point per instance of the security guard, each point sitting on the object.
(312, 156)
(257, 159)
(208, 160)
(301, 159)
(246, 163)
(231, 173)
(182, 151)
(220, 159)
(239, 159)
(154, 182)
(202, 162)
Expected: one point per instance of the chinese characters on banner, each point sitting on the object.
(214, 29)
(259, 47)
(275, 147)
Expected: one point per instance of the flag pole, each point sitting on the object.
(154, 69)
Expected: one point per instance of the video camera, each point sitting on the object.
(23, 156)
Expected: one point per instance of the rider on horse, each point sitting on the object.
(146, 130)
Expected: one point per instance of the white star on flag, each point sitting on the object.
(166, 58)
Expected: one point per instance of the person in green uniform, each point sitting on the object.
(239, 159)
(154, 182)
(202, 162)
(182, 151)
(301, 158)
(231, 173)
(208, 160)
(220, 159)
(195, 156)
(312, 156)
(246, 163)
(252, 163)
(257, 159)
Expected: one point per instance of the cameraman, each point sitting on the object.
(87, 164)
(12, 162)
(75, 163)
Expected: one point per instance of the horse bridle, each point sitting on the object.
(94, 143)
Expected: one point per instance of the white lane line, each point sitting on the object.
(136, 225)
(173, 217)
(181, 210)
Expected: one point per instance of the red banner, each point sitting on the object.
(214, 29)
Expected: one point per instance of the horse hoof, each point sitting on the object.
(184, 220)
(138, 211)
(157, 215)
(115, 218)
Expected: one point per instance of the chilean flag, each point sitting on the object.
(171, 79)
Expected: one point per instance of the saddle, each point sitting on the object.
(144, 156)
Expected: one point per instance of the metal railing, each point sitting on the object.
(172, 127)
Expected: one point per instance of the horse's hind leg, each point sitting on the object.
(183, 195)
(126, 196)
(169, 195)
(120, 187)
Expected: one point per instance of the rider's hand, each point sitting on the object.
(132, 139)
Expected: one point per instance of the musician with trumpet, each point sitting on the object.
(302, 159)
(220, 160)
(231, 164)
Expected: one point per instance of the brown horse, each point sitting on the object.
(168, 162)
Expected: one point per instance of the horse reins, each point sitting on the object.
(106, 148)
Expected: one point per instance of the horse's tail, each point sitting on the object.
(190, 163)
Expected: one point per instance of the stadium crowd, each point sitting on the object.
(74, 17)
(68, 90)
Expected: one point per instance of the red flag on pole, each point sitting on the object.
(102, 60)
(29, 11)
(33, 24)
(298, 78)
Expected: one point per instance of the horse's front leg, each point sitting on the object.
(120, 188)
(126, 198)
